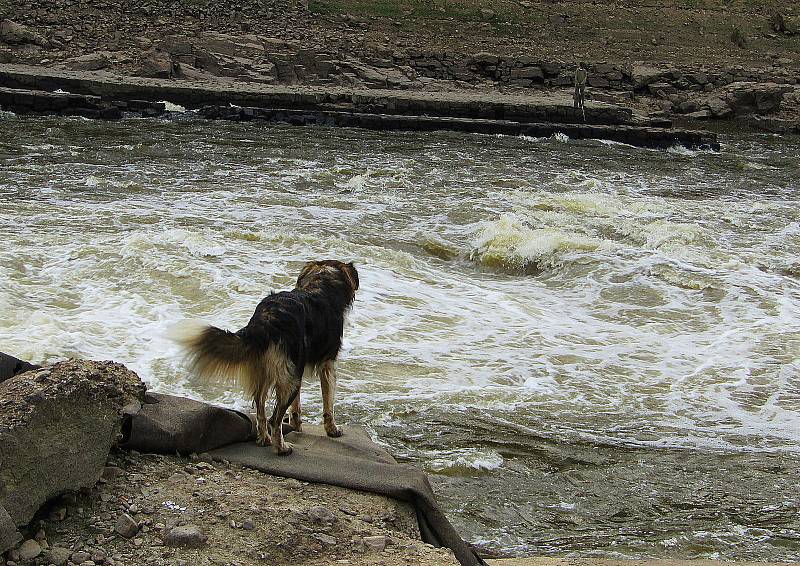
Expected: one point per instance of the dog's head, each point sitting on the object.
(330, 273)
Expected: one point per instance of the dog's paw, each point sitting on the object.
(264, 441)
(285, 451)
(333, 431)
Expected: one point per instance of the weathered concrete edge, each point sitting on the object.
(193, 94)
(376, 110)
(657, 138)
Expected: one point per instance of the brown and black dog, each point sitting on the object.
(289, 333)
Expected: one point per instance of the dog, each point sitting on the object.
(291, 332)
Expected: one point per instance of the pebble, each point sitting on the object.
(80, 556)
(321, 514)
(29, 550)
(126, 526)
(190, 536)
(325, 539)
(248, 525)
(376, 543)
(58, 555)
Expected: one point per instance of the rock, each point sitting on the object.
(5, 57)
(487, 14)
(29, 550)
(375, 543)
(156, 64)
(248, 46)
(126, 526)
(80, 556)
(189, 536)
(17, 34)
(58, 555)
(321, 515)
(325, 539)
(718, 107)
(56, 433)
(88, 62)
(747, 97)
(699, 115)
(485, 59)
(642, 75)
(248, 525)
(9, 535)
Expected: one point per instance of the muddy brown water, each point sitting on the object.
(593, 349)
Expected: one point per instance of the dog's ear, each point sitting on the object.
(352, 275)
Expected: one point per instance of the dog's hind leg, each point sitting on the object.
(286, 391)
(327, 381)
(260, 400)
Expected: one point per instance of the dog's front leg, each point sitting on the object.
(285, 394)
(327, 381)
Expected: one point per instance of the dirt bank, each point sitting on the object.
(229, 515)
(704, 59)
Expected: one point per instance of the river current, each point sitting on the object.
(593, 349)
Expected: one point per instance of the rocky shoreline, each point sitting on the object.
(287, 45)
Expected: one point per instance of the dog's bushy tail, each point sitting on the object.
(214, 354)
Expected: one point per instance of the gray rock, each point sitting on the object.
(88, 62)
(248, 525)
(17, 34)
(125, 526)
(642, 75)
(327, 540)
(78, 405)
(745, 97)
(9, 535)
(58, 555)
(157, 64)
(29, 550)
(375, 543)
(80, 556)
(321, 515)
(189, 536)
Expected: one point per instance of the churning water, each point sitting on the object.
(593, 349)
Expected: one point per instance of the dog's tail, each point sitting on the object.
(214, 354)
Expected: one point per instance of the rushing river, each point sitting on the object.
(593, 349)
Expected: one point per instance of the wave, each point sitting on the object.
(464, 462)
(510, 244)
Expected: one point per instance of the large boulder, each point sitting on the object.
(758, 98)
(57, 425)
(742, 98)
(16, 34)
(642, 75)
(89, 62)
(157, 64)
